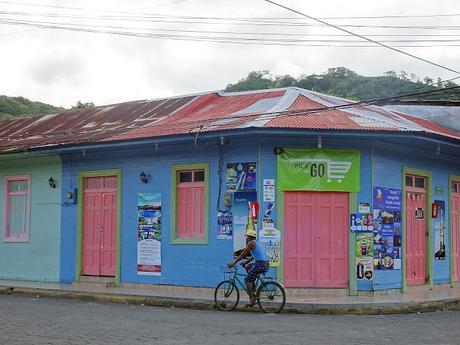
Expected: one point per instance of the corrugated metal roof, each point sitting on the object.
(275, 108)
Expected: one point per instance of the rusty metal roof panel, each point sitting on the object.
(213, 111)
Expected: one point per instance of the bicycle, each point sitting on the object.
(270, 295)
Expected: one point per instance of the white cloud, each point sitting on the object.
(62, 67)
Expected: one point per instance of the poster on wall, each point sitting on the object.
(319, 169)
(361, 222)
(241, 214)
(364, 255)
(387, 228)
(364, 268)
(271, 239)
(241, 177)
(439, 230)
(224, 225)
(267, 220)
(149, 234)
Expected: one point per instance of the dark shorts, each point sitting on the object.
(256, 268)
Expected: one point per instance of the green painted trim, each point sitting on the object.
(81, 176)
(259, 186)
(173, 236)
(353, 284)
(280, 227)
(429, 244)
(452, 178)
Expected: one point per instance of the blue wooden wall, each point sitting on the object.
(198, 265)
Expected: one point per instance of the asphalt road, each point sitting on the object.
(37, 321)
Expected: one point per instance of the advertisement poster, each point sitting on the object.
(241, 177)
(241, 213)
(387, 228)
(271, 239)
(361, 222)
(364, 268)
(269, 190)
(365, 244)
(267, 220)
(318, 169)
(224, 225)
(149, 234)
(440, 231)
(364, 207)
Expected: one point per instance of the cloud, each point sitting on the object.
(50, 70)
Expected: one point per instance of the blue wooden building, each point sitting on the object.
(343, 195)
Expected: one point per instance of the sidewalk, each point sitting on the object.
(439, 299)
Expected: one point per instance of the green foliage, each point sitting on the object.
(342, 82)
(81, 105)
(11, 107)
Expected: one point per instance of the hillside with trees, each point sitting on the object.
(11, 107)
(342, 82)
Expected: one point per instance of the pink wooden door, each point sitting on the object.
(99, 226)
(455, 212)
(190, 204)
(316, 239)
(415, 236)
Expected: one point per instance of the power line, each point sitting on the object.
(157, 18)
(363, 37)
(115, 30)
(439, 15)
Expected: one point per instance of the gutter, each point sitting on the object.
(438, 139)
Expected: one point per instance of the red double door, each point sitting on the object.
(316, 239)
(99, 226)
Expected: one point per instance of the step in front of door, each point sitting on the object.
(94, 281)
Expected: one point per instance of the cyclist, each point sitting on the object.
(260, 265)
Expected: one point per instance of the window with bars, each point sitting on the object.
(191, 189)
(16, 208)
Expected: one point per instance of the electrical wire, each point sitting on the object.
(364, 37)
(221, 39)
(440, 15)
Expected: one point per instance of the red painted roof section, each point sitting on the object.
(318, 119)
(204, 111)
(215, 111)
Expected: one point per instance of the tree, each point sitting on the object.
(81, 105)
(391, 74)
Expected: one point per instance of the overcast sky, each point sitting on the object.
(61, 67)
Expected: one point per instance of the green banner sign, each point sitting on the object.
(318, 169)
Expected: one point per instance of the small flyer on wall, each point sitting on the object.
(271, 238)
(439, 230)
(241, 177)
(364, 268)
(269, 190)
(365, 244)
(224, 225)
(387, 228)
(149, 234)
(361, 222)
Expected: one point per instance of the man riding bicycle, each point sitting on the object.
(259, 266)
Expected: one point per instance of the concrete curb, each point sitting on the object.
(207, 304)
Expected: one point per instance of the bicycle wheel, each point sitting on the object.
(271, 297)
(226, 295)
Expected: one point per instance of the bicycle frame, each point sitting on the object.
(241, 284)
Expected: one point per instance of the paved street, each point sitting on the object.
(37, 321)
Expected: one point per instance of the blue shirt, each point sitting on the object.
(258, 253)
